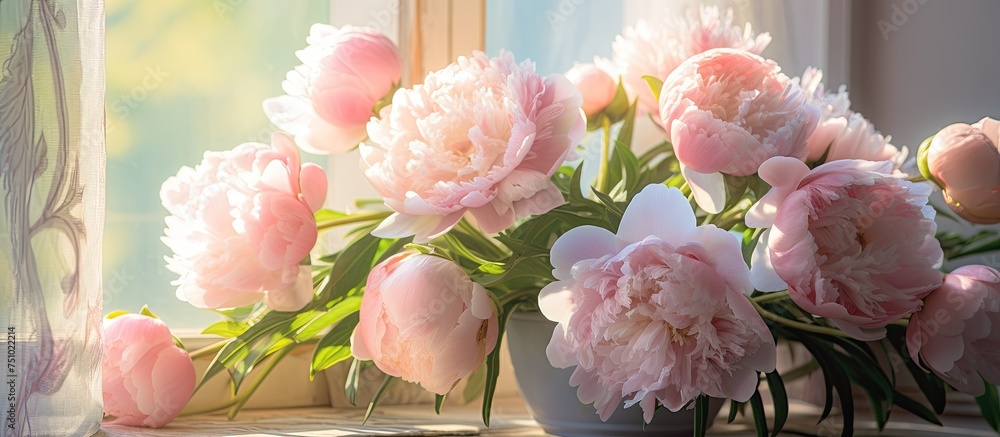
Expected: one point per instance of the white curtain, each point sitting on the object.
(52, 191)
(804, 32)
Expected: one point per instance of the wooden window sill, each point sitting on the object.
(510, 418)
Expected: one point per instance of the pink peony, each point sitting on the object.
(849, 241)
(657, 312)
(595, 86)
(727, 111)
(481, 136)
(965, 160)
(241, 224)
(424, 320)
(331, 96)
(953, 333)
(843, 133)
(146, 379)
(656, 50)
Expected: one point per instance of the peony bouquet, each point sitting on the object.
(763, 210)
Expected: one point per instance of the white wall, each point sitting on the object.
(920, 65)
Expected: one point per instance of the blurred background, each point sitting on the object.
(186, 76)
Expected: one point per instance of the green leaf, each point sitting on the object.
(491, 268)
(922, 165)
(701, 416)
(878, 389)
(351, 268)
(918, 409)
(759, 417)
(655, 85)
(628, 127)
(982, 248)
(146, 312)
(338, 310)
(929, 384)
(576, 184)
(438, 403)
(226, 329)
(334, 347)
(493, 359)
(734, 407)
(378, 395)
(353, 378)
(630, 167)
(664, 148)
(610, 203)
(619, 105)
(474, 384)
(736, 187)
(834, 376)
(780, 400)
(822, 159)
(757, 185)
(117, 313)
(989, 405)
(750, 239)
(329, 214)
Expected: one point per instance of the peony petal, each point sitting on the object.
(276, 177)
(709, 189)
(726, 254)
(358, 348)
(482, 304)
(741, 385)
(555, 301)
(294, 297)
(291, 114)
(400, 225)
(312, 180)
(559, 352)
(580, 243)
(784, 175)
(762, 274)
(657, 211)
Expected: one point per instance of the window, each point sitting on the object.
(183, 77)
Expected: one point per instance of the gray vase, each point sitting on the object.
(553, 402)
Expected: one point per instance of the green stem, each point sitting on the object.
(602, 173)
(365, 202)
(796, 324)
(478, 235)
(357, 218)
(208, 410)
(780, 295)
(256, 384)
(800, 371)
(209, 350)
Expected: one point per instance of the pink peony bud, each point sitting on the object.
(331, 97)
(146, 379)
(594, 84)
(965, 160)
(424, 320)
(952, 334)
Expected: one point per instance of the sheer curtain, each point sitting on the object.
(52, 190)
(804, 32)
